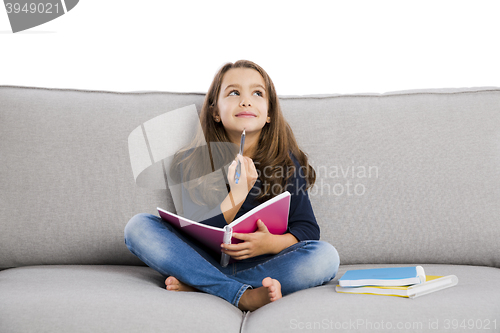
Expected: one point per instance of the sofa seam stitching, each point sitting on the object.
(246, 314)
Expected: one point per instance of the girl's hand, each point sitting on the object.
(238, 192)
(247, 179)
(254, 244)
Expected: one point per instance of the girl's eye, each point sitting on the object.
(259, 93)
(234, 93)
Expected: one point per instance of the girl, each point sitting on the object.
(266, 266)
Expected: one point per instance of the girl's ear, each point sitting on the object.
(268, 120)
(215, 113)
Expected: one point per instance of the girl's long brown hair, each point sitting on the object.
(272, 157)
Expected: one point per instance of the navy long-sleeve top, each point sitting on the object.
(301, 220)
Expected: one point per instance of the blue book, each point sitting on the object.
(386, 277)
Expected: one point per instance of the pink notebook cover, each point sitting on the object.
(274, 214)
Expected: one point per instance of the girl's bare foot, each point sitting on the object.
(252, 299)
(173, 284)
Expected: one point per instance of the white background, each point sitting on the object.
(312, 47)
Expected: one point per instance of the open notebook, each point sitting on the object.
(274, 214)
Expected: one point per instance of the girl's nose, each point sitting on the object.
(245, 102)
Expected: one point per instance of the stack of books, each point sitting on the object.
(408, 282)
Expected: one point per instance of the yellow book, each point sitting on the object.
(432, 283)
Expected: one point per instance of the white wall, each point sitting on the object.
(306, 47)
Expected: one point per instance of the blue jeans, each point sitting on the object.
(303, 265)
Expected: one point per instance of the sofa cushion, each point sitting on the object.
(105, 299)
(473, 303)
(410, 176)
(67, 184)
(402, 177)
(134, 299)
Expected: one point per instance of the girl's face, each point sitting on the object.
(243, 103)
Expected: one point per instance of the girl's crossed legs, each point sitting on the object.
(300, 266)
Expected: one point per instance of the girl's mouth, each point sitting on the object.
(245, 115)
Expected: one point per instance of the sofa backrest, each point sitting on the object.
(404, 177)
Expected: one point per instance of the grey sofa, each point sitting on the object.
(404, 178)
